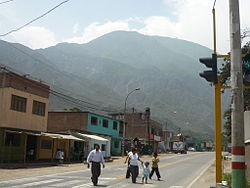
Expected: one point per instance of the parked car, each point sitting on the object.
(191, 149)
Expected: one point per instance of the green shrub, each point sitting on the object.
(227, 177)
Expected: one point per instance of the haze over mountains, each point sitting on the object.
(104, 70)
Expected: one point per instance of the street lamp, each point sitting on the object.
(124, 124)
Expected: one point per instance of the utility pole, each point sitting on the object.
(238, 149)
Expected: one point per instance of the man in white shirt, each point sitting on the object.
(96, 158)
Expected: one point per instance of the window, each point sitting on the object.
(18, 103)
(94, 120)
(103, 147)
(115, 125)
(12, 139)
(117, 144)
(39, 108)
(105, 123)
(46, 144)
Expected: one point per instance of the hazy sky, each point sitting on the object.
(83, 20)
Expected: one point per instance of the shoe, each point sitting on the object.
(159, 179)
(149, 177)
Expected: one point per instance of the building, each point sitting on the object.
(23, 122)
(23, 107)
(88, 123)
(140, 126)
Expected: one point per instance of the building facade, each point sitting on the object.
(140, 126)
(24, 112)
(87, 122)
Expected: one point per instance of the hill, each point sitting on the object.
(104, 70)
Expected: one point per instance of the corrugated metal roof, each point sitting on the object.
(61, 136)
(89, 136)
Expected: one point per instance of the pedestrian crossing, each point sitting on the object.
(54, 182)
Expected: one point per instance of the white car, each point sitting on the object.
(191, 149)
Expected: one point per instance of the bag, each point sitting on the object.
(128, 173)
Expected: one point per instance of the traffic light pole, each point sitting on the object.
(238, 149)
(217, 115)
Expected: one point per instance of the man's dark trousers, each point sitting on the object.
(134, 172)
(96, 172)
(156, 170)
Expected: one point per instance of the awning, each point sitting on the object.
(89, 136)
(31, 133)
(61, 136)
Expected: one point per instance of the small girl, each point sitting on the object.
(146, 172)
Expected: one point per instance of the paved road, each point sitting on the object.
(178, 171)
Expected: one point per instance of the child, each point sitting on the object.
(146, 172)
(155, 168)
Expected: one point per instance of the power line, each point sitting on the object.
(68, 98)
(6, 2)
(214, 4)
(37, 18)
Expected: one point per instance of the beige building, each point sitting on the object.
(23, 102)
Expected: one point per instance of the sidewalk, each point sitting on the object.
(208, 178)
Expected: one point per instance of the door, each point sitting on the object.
(31, 148)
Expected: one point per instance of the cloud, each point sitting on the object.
(76, 28)
(161, 26)
(34, 37)
(190, 20)
(96, 30)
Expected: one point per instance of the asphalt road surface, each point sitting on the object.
(177, 171)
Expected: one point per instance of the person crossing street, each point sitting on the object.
(155, 168)
(96, 158)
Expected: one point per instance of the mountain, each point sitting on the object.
(104, 70)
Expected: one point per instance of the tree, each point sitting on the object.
(225, 80)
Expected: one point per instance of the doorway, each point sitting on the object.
(31, 148)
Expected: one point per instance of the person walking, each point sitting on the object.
(155, 168)
(96, 158)
(146, 172)
(134, 168)
(128, 169)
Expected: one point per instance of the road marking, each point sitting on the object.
(89, 184)
(67, 183)
(36, 183)
(120, 177)
(175, 162)
(176, 187)
(203, 171)
(37, 177)
(84, 185)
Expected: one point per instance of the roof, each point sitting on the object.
(89, 136)
(61, 136)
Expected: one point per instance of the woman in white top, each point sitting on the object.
(134, 168)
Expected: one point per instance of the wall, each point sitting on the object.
(22, 120)
(11, 153)
(45, 153)
(92, 142)
(103, 130)
(61, 121)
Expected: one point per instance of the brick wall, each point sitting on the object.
(62, 121)
(23, 84)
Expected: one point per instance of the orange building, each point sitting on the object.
(23, 115)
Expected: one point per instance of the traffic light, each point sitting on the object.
(246, 69)
(210, 62)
